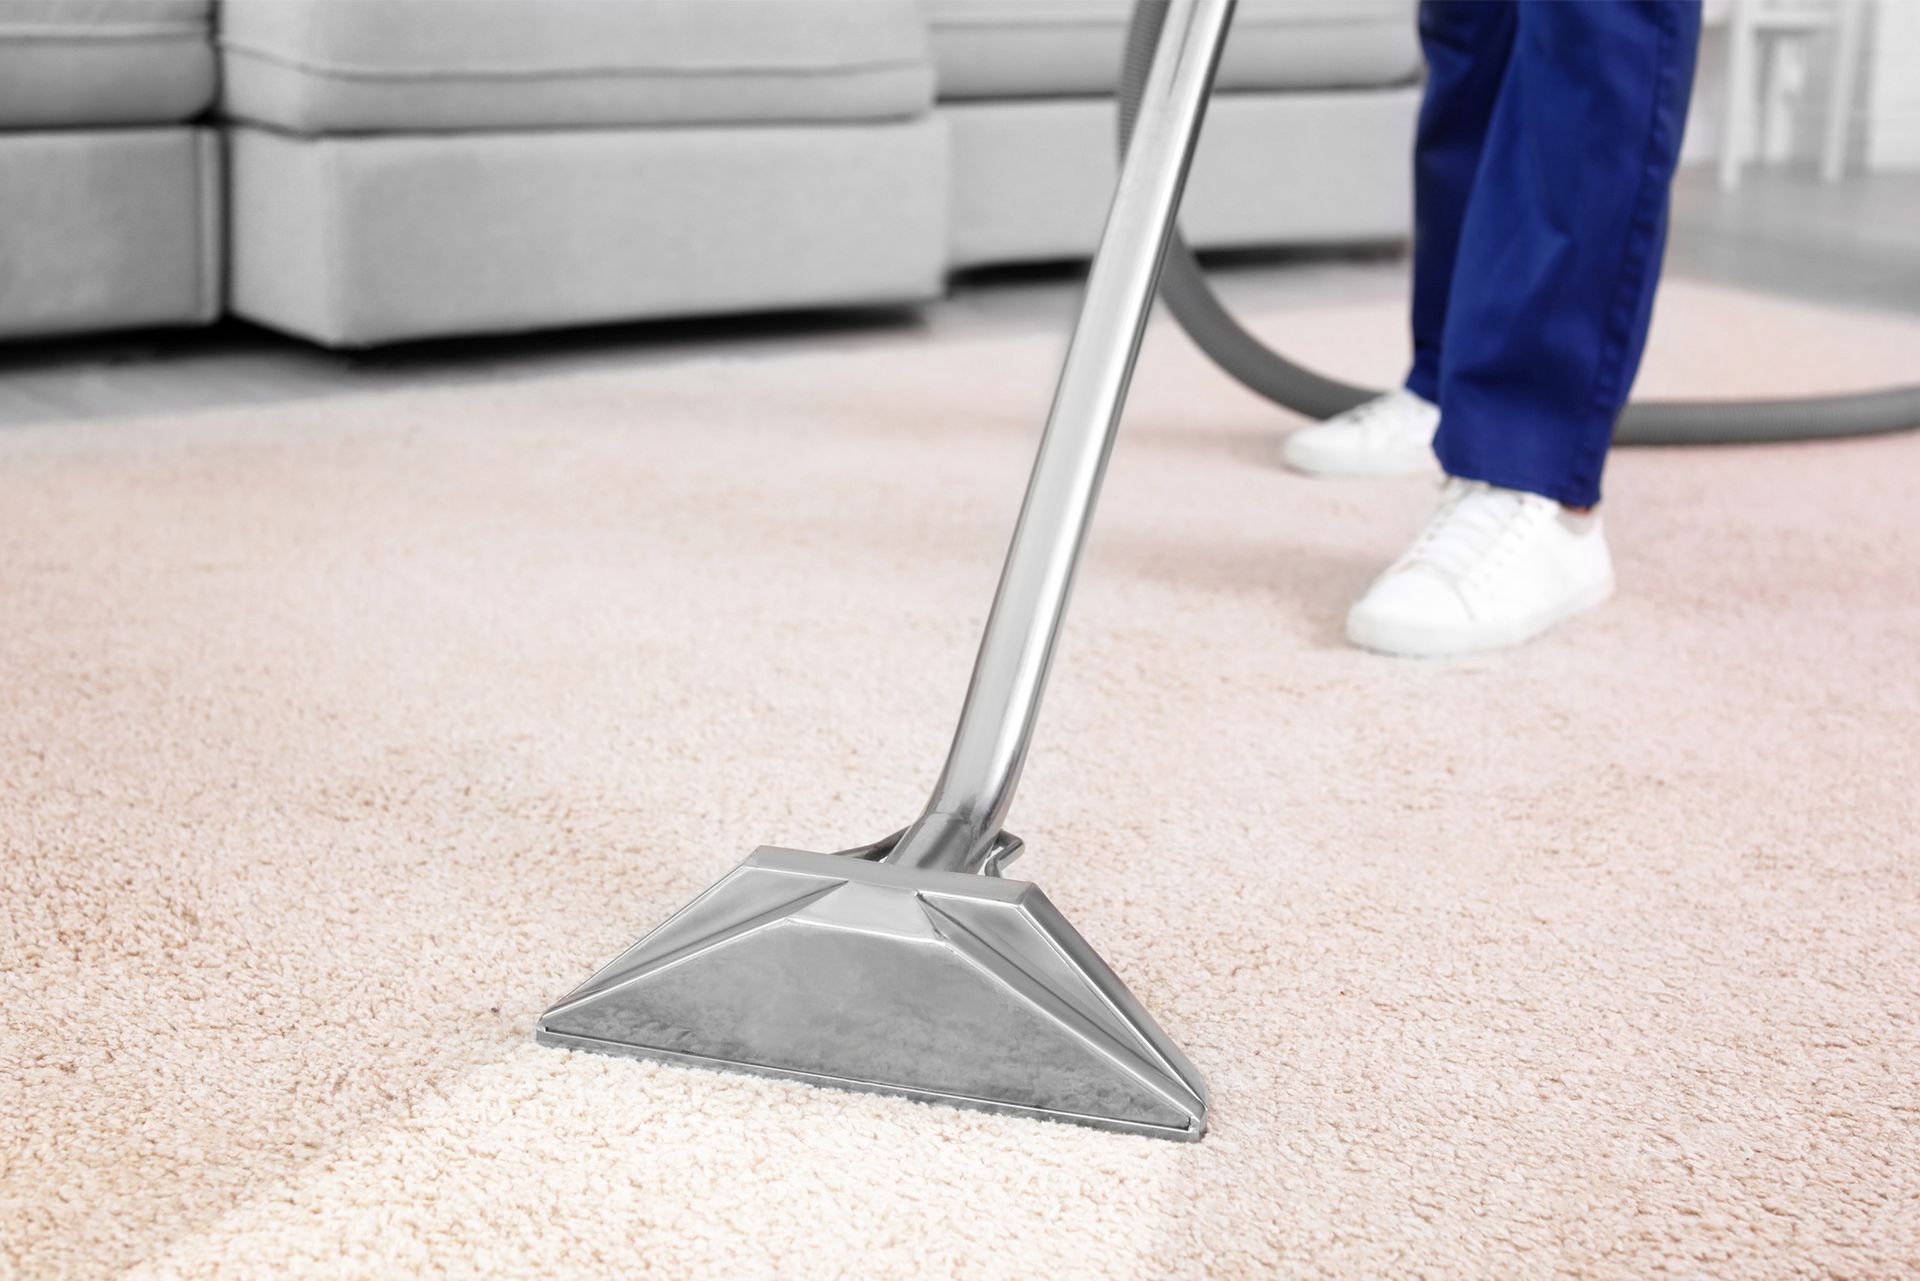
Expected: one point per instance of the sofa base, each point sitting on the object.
(351, 241)
(1032, 178)
(109, 229)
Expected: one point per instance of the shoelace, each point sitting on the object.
(1476, 526)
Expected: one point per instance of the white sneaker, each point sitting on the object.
(1390, 435)
(1493, 567)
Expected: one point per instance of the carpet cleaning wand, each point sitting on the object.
(913, 966)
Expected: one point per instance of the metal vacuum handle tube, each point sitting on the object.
(958, 830)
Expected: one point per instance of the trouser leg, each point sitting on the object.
(1466, 43)
(1561, 242)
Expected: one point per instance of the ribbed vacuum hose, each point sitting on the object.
(1184, 289)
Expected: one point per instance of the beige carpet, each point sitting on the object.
(339, 738)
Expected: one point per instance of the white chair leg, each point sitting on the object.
(1741, 103)
(1848, 22)
(1764, 139)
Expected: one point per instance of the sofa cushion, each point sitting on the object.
(1032, 177)
(341, 66)
(353, 241)
(1063, 48)
(109, 229)
(80, 63)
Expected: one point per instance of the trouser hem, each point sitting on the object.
(1502, 472)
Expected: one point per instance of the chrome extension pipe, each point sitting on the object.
(962, 824)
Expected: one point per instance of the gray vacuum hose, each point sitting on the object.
(1184, 289)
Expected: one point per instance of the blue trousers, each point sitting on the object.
(1546, 147)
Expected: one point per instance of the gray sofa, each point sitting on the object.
(402, 169)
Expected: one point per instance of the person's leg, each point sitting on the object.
(1561, 243)
(1547, 313)
(1467, 43)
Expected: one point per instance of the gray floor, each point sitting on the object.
(1854, 244)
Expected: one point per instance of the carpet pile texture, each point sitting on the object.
(341, 737)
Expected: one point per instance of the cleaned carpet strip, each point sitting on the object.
(341, 737)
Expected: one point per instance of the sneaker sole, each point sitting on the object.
(1403, 640)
